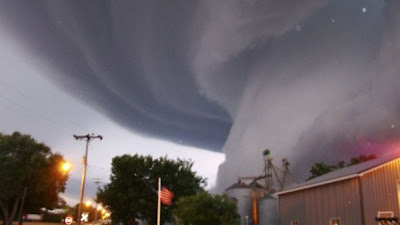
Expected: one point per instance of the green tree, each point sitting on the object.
(204, 208)
(361, 158)
(28, 165)
(321, 168)
(132, 191)
(341, 164)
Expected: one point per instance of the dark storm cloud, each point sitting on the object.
(303, 78)
(129, 59)
(327, 90)
(366, 121)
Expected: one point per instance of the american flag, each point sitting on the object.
(166, 196)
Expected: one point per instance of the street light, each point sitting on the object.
(66, 167)
(104, 214)
(98, 208)
(88, 203)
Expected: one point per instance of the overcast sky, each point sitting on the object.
(209, 80)
(31, 104)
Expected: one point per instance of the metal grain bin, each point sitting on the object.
(241, 192)
(268, 210)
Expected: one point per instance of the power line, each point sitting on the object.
(98, 181)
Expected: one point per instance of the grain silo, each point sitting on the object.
(268, 210)
(241, 192)
(256, 204)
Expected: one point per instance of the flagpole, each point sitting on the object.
(159, 202)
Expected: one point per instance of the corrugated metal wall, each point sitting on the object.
(268, 210)
(379, 188)
(317, 205)
(291, 207)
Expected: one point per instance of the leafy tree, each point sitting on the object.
(132, 191)
(322, 168)
(204, 208)
(28, 165)
(361, 158)
(341, 164)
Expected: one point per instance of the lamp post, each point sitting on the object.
(98, 207)
(88, 137)
(65, 168)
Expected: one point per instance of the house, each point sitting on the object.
(353, 195)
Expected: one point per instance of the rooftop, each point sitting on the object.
(344, 173)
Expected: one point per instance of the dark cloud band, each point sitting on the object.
(128, 60)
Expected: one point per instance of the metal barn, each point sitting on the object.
(354, 195)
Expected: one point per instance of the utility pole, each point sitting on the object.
(88, 138)
(97, 181)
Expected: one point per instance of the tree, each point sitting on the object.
(361, 158)
(28, 165)
(132, 191)
(322, 168)
(204, 208)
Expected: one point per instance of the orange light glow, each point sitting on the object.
(88, 203)
(66, 167)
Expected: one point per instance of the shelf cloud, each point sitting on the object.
(311, 80)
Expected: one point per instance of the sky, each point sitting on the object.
(39, 108)
(31, 104)
(217, 82)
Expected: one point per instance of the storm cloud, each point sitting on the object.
(126, 59)
(301, 78)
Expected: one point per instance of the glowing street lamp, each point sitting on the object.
(66, 167)
(106, 215)
(88, 203)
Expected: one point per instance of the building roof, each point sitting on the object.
(255, 184)
(238, 185)
(345, 173)
(268, 196)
